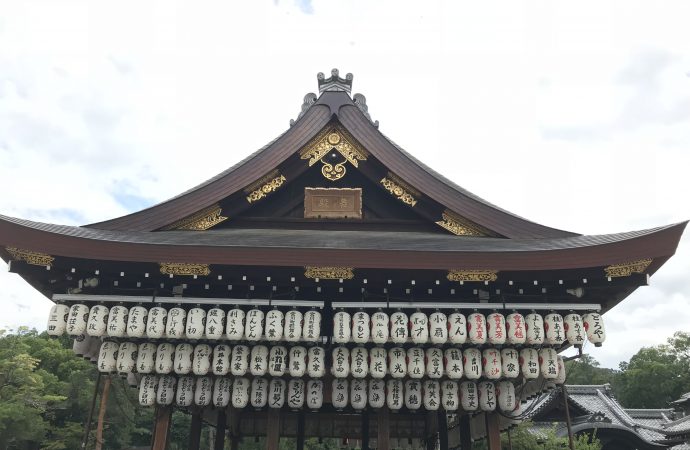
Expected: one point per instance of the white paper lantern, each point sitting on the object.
(136, 323)
(155, 325)
(491, 363)
(258, 361)
(57, 320)
(234, 327)
(117, 321)
(340, 393)
(293, 326)
(196, 323)
(510, 363)
(515, 329)
(554, 332)
(534, 325)
(240, 360)
(276, 390)
(438, 328)
(397, 364)
(450, 397)
(311, 330)
(487, 396)
(203, 392)
(165, 354)
(107, 357)
(472, 363)
(240, 392)
(457, 328)
(399, 324)
(394, 394)
(505, 391)
(277, 361)
(377, 393)
(76, 319)
(298, 362)
(185, 391)
(147, 390)
(469, 397)
(377, 362)
(529, 363)
(184, 357)
(548, 363)
(80, 346)
(259, 392)
(98, 321)
(166, 390)
(316, 362)
(359, 367)
(314, 394)
(221, 392)
(146, 358)
(274, 325)
(594, 326)
(560, 379)
(126, 357)
(434, 362)
(452, 358)
(432, 395)
(253, 327)
(361, 327)
(358, 394)
(476, 328)
(574, 329)
(413, 394)
(495, 329)
(379, 327)
(215, 324)
(221, 359)
(419, 328)
(202, 359)
(175, 325)
(341, 362)
(341, 327)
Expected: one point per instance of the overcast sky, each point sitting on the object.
(575, 114)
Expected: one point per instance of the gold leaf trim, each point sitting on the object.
(399, 189)
(460, 226)
(472, 275)
(200, 221)
(333, 138)
(329, 273)
(184, 269)
(627, 268)
(264, 186)
(35, 258)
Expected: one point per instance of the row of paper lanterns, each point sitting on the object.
(298, 393)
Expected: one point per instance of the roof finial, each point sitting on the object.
(334, 82)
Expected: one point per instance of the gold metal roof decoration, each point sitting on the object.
(460, 226)
(472, 275)
(264, 186)
(398, 188)
(34, 258)
(200, 221)
(627, 268)
(333, 139)
(329, 273)
(176, 268)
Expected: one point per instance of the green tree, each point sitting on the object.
(523, 437)
(587, 370)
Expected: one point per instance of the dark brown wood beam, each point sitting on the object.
(383, 441)
(161, 427)
(273, 429)
(465, 432)
(195, 431)
(493, 431)
(442, 429)
(221, 419)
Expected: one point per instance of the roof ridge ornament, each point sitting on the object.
(334, 83)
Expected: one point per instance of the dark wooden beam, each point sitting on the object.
(195, 431)
(101, 413)
(431, 429)
(221, 418)
(365, 430)
(161, 427)
(300, 430)
(87, 428)
(383, 441)
(465, 433)
(493, 431)
(442, 429)
(273, 429)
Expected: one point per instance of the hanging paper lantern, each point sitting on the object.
(166, 390)
(259, 392)
(574, 329)
(146, 357)
(314, 394)
(215, 324)
(534, 326)
(94, 348)
(240, 392)
(413, 394)
(316, 365)
(276, 392)
(415, 362)
(472, 363)
(452, 358)
(184, 357)
(379, 327)
(341, 362)
(107, 357)
(377, 362)
(203, 392)
(240, 360)
(196, 323)
(432, 395)
(274, 325)
(341, 327)
(234, 327)
(553, 329)
(358, 394)
(515, 329)
(548, 363)
(560, 379)
(399, 326)
(394, 394)
(155, 325)
(293, 326)
(491, 363)
(359, 367)
(487, 396)
(594, 326)
(419, 328)
(80, 345)
(505, 391)
(469, 397)
(496, 329)
(117, 321)
(277, 361)
(397, 364)
(434, 362)
(221, 392)
(457, 328)
(339, 393)
(253, 327)
(175, 325)
(126, 357)
(476, 328)
(221, 359)
(450, 396)
(298, 361)
(98, 321)
(529, 363)
(361, 327)
(377, 394)
(311, 331)
(147, 390)
(136, 323)
(57, 320)
(258, 360)
(77, 317)
(510, 363)
(202, 359)
(185, 391)
(165, 353)
(438, 328)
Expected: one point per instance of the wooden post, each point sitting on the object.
(273, 429)
(87, 428)
(431, 429)
(195, 431)
(365, 430)
(101, 413)
(567, 417)
(383, 441)
(234, 425)
(493, 431)
(219, 443)
(442, 429)
(465, 432)
(161, 428)
(300, 430)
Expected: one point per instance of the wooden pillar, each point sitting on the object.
(431, 430)
(300, 430)
(101, 413)
(442, 429)
(493, 431)
(384, 435)
(161, 428)
(234, 425)
(87, 428)
(365, 430)
(219, 443)
(195, 431)
(571, 442)
(465, 432)
(272, 429)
